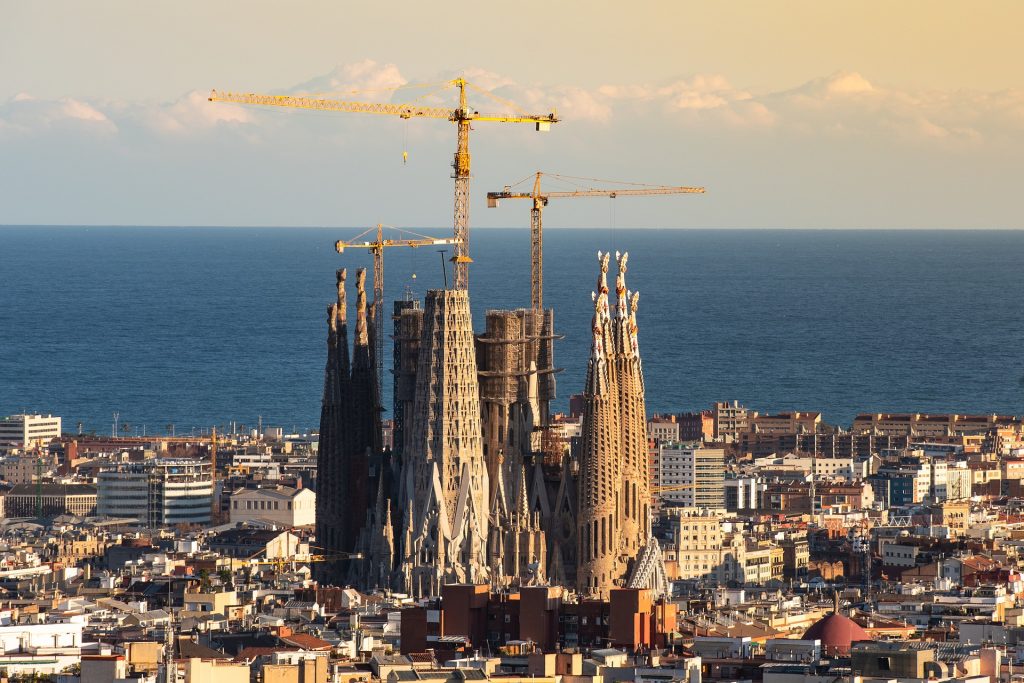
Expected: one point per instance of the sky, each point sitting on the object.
(792, 114)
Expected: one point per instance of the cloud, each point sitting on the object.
(845, 104)
(188, 114)
(359, 77)
(24, 114)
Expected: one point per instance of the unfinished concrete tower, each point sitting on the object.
(408, 326)
(445, 479)
(514, 362)
(509, 400)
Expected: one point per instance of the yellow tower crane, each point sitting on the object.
(462, 117)
(376, 248)
(540, 200)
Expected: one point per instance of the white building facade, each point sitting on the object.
(160, 492)
(281, 505)
(28, 431)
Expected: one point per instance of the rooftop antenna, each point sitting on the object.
(444, 267)
(117, 415)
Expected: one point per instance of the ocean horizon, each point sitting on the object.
(203, 326)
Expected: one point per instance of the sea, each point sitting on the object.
(184, 329)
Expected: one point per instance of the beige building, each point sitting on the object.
(213, 671)
(211, 603)
(956, 514)
(281, 505)
(663, 428)
(793, 422)
(731, 419)
(927, 426)
(305, 670)
(762, 562)
(22, 469)
(823, 468)
(695, 550)
(28, 431)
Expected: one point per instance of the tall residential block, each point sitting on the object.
(28, 431)
(692, 476)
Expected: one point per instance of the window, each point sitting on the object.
(883, 664)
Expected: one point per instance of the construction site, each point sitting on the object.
(476, 487)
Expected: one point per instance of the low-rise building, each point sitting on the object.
(50, 500)
(282, 505)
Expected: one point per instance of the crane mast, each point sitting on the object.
(537, 249)
(463, 117)
(461, 259)
(540, 200)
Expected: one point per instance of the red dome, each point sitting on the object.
(836, 634)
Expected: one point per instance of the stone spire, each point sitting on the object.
(341, 317)
(342, 275)
(363, 418)
(636, 497)
(332, 527)
(445, 473)
(613, 507)
(522, 502)
(598, 518)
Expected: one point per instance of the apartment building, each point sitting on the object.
(157, 492)
(929, 426)
(282, 505)
(693, 542)
(731, 420)
(28, 431)
(691, 476)
(793, 422)
(663, 429)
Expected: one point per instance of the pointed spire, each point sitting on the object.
(621, 298)
(634, 302)
(602, 283)
(600, 298)
(379, 502)
(332, 321)
(597, 346)
(523, 504)
(342, 306)
(362, 338)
